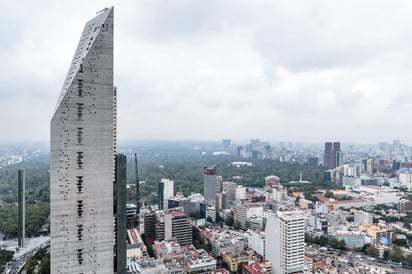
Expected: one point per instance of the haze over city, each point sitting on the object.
(203, 70)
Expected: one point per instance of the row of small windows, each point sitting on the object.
(79, 111)
(80, 208)
(80, 255)
(79, 160)
(79, 135)
(79, 184)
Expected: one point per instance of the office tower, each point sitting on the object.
(229, 188)
(226, 143)
(131, 210)
(83, 148)
(221, 201)
(313, 161)
(209, 183)
(328, 155)
(337, 156)
(21, 208)
(173, 224)
(285, 242)
(240, 151)
(120, 214)
(166, 190)
(149, 225)
(332, 156)
(396, 146)
(254, 148)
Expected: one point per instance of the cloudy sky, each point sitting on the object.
(307, 71)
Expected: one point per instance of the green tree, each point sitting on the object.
(365, 247)
(333, 243)
(386, 255)
(372, 251)
(229, 220)
(395, 254)
(400, 242)
(5, 256)
(30, 265)
(342, 244)
(409, 259)
(44, 267)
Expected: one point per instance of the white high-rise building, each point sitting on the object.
(166, 191)
(285, 242)
(240, 193)
(83, 146)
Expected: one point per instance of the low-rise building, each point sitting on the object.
(253, 267)
(235, 260)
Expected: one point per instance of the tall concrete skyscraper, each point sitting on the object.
(285, 242)
(21, 199)
(83, 148)
(209, 183)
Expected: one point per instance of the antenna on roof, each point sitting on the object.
(101, 10)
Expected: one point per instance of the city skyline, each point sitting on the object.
(211, 70)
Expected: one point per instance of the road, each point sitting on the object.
(16, 265)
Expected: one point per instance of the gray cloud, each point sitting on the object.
(302, 71)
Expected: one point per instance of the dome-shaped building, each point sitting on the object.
(271, 181)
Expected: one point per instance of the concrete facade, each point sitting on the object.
(83, 147)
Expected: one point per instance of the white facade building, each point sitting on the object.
(405, 179)
(240, 193)
(362, 217)
(257, 242)
(285, 242)
(166, 191)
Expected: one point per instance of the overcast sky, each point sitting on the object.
(309, 71)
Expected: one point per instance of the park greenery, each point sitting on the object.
(37, 196)
(179, 162)
(185, 168)
(184, 165)
(39, 263)
(5, 256)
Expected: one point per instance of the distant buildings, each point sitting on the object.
(272, 181)
(332, 155)
(396, 146)
(226, 143)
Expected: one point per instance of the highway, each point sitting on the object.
(16, 265)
